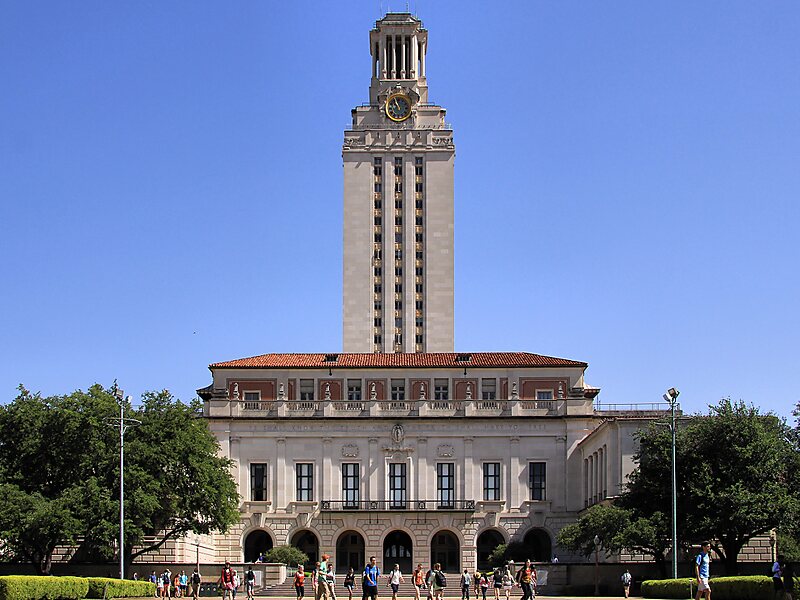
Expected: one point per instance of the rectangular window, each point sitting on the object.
(537, 480)
(418, 288)
(378, 321)
(378, 187)
(544, 394)
(418, 186)
(445, 485)
(258, 482)
(491, 481)
(397, 485)
(398, 389)
(252, 396)
(350, 484)
(354, 390)
(418, 237)
(305, 482)
(418, 304)
(440, 389)
(488, 389)
(418, 203)
(418, 338)
(307, 389)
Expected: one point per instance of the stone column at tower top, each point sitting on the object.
(398, 44)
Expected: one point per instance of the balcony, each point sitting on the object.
(391, 505)
(221, 406)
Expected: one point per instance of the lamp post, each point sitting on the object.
(122, 423)
(596, 565)
(672, 398)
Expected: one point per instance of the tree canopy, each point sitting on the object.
(59, 475)
(737, 478)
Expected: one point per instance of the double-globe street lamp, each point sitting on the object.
(672, 398)
(123, 424)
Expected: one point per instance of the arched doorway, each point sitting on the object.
(487, 542)
(307, 542)
(397, 549)
(445, 550)
(350, 552)
(541, 548)
(257, 542)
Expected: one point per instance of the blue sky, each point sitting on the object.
(627, 187)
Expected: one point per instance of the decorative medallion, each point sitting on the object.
(445, 450)
(398, 434)
(350, 451)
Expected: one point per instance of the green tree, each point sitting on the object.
(606, 522)
(175, 481)
(48, 490)
(736, 477)
(288, 555)
(61, 456)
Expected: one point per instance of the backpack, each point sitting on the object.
(440, 579)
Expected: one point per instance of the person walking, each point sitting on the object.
(167, 577)
(777, 577)
(437, 582)
(226, 581)
(526, 578)
(196, 579)
(369, 581)
(476, 582)
(626, 579)
(299, 582)
(321, 579)
(184, 581)
(497, 582)
(483, 584)
(350, 583)
(418, 579)
(702, 570)
(508, 582)
(395, 579)
(330, 580)
(465, 582)
(250, 582)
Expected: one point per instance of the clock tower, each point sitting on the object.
(398, 203)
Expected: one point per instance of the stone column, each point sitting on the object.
(373, 462)
(279, 481)
(468, 491)
(414, 55)
(422, 470)
(394, 57)
(403, 67)
(326, 489)
(514, 462)
(422, 61)
(383, 57)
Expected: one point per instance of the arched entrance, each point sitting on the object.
(257, 542)
(487, 542)
(538, 541)
(307, 542)
(445, 550)
(350, 552)
(397, 549)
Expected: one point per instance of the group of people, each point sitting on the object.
(432, 582)
(177, 586)
(230, 582)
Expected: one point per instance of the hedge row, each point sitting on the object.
(753, 587)
(29, 587)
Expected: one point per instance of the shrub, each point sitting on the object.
(32, 587)
(119, 588)
(754, 587)
(669, 588)
(288, 555)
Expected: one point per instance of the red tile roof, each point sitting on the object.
(399, 360)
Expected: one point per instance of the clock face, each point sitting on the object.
(398, 107)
